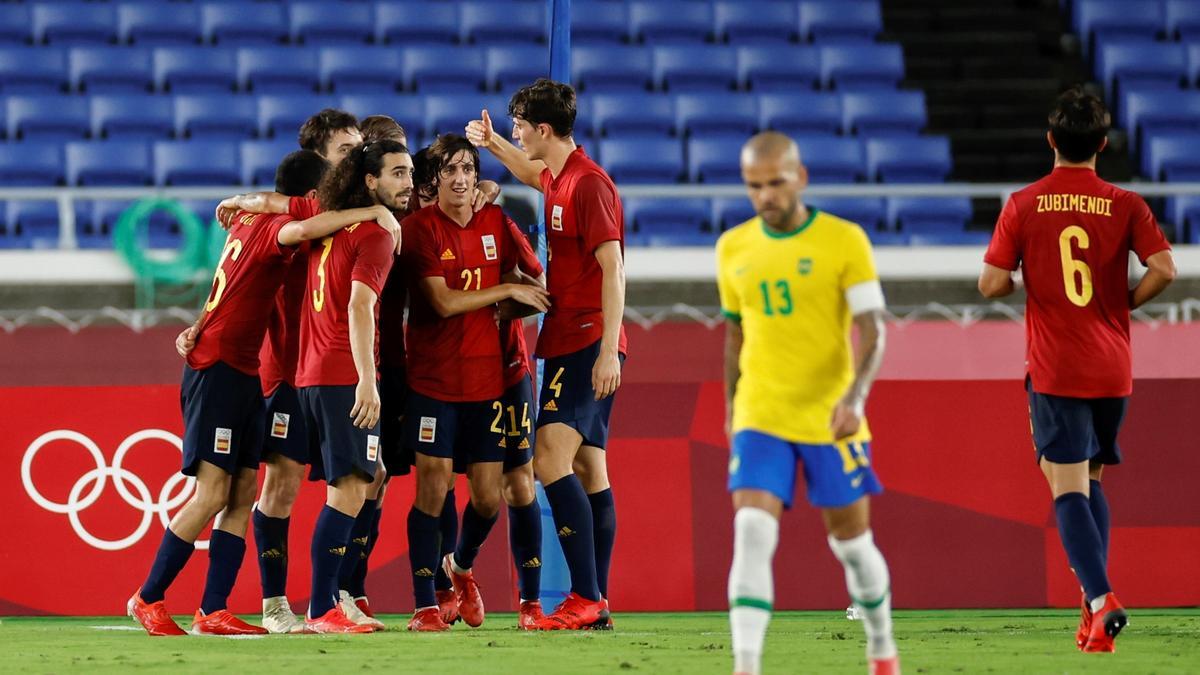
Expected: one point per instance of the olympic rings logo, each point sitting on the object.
(95, 480)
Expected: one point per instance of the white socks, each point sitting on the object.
(868, 582)
(751, 588)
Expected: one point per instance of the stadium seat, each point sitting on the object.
(1171, 156)
(47, 117)
(1150, 111)
(360, 69)
(73, 23)
(443, 69)
(143, 117)
(887, 238)
(1193, 64)
(487, 22)
(878, 113)
(860, 66)
(632, 115)
(416, 22)
(920, 159)
(642, 160)
(714, 159)
(669, 222)
(598, 22)
(611, 68)
(215, 117)
(755, 22)
(703, 114)
(731, 211)
(832, 159)
(14, 25)
(196, 163)
(681, 68)
(31, 164)
(33, 71)
(514, 66)
(407, 110)
(243, 23)
(323, 23)
(1182, 19)
(778, 68)
(828, 21)
(108, 163)
(1140, 64)
(866, 211)
(158, 24)
(35, 223)
(277, 70)
(668, 21)
(108, 70)
(928, 215)
(449, 113)
(1096, 21)
(281, 115)
(1184, 213)
(803, 113)
(260, 158)
(195, 70)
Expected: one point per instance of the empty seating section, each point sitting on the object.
(212, 92)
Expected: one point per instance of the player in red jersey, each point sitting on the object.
(1070, 234)
(223, 404)
(455, 259)
(582, 339)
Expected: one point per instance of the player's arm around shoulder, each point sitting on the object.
(325, 224)
(256, 202)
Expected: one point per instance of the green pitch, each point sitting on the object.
(1027, 642)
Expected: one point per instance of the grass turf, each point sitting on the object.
(1001, 641)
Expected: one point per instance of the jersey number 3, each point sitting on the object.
(318, 296)
(1078, 292)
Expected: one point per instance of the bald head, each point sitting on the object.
(774, 179)
(772, 147)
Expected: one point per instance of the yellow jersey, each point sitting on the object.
(788, 291)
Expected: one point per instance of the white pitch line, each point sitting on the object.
(116, 627)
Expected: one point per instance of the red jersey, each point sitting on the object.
(456, 358)
(582, 212)
(281, 349)
(512, 332)
(1071, 233)
(391, 318)
(360, 252)
(244, 285)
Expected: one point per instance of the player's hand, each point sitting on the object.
(185, 342)
(606, 375)
(365, 412)
(486, 192)
(227, 209)
(729, 424)
(534, 296)
(847, 418)
(387, 220)
(480, 131)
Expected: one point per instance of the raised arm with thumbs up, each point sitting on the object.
(516, 160)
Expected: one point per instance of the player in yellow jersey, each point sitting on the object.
(792, 280)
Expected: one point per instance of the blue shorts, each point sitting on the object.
(223, 414)
(393, 395)
(1069, 430)
(464, 431)
(836, 474)
(286, 433)
(337, 448)
(518, 409)
(567, 396)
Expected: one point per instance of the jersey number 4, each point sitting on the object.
(1079, 292)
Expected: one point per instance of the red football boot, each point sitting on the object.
(153, 616)
(364, 606)
(530, 615)
(447, 606)
(466, 592)
(576, 613)
(884, 666)
(1085, 623)
(427, 620)
(1106, 624)
(221, 622)
(335, 621)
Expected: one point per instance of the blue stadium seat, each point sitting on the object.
(195, 70)
(929, 215)
(584, 121)
(920, 159)
(31, 164)
(714, 159)
(142, 117)
(598, 22)
(215, 116)
(108, 70)
(158, 24)
(755, 22)
(48, 117)
(14, 25)
(243, 23)
(1152, 111)
(1182, 19)
(861, 66)
(407, 110)
(680, 68)
(778, 68)
(839, 20)
(361, 69)
(443, 69)
(866, 211)
(667, 21)
(108, 163)
(514, 66)
(196, 163)
(277, 70)
(1172, 156)
(877, 113)
(731, 211)
(669, 222)
(832, 159)
(632, 115)
(1193, 64)
(280, 115)
(32, 71)
(323, 23)
(449, 113)
(950, 238)
(804, 113)
(1184, 213)
(487, 22)
(611, 68)
(1140, 64)
(1096, 21)
(642, 160)
(702, 114)
(260, 159)
(73, 23)
(415, 22)
(35, 222)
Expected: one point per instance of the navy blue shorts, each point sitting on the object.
(393, 395)
(336, 447)
(835, 474)
(223, 418)
(518, 410)
(286, 433)
(1069, 430)
(466, 432)
(567, 396)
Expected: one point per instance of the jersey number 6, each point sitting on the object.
(233, 248)
(1079, 294)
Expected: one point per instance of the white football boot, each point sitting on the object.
(277, 617)
(355, 614)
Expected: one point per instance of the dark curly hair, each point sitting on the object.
(546, 102)
(345, 187)
(445, 148)
(424, 175)
(381, 127)
(318, 129)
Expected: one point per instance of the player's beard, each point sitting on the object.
(782, 220)
(395, 202)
